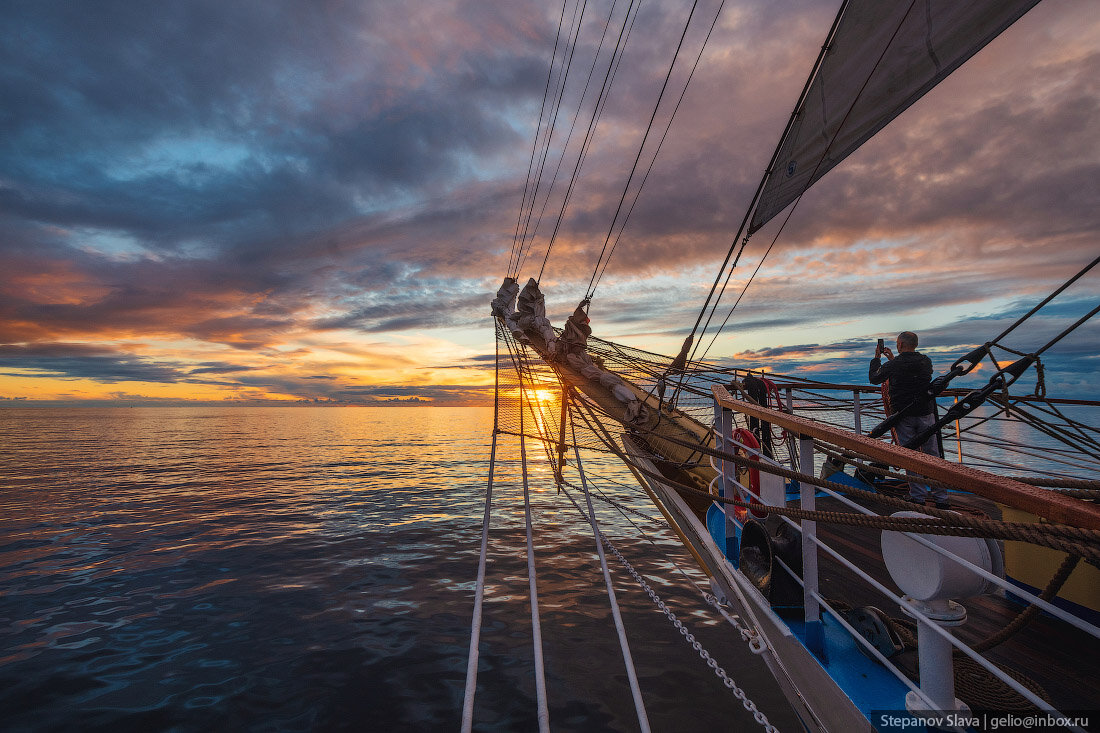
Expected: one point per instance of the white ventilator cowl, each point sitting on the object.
(926, 575)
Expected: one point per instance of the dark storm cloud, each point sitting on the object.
(219, 368)
(154, 298)
(479, 362)
(245, 173)
(420, 304)
(109, 366)
(78, 361)
(240, 120)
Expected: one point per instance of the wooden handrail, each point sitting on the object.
(949, 392)
(1050, 505)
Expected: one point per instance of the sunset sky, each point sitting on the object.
(265, 200)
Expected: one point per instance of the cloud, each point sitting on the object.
(220, 368)
(302, 200)
(1069, 365)
(78, 361)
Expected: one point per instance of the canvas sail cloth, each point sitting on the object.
(884, 55)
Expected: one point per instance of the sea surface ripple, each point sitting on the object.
(312, 568)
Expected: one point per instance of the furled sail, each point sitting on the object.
(884, 55)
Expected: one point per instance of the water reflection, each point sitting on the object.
(312, 568)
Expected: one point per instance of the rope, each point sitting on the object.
(745, 289)
(809, 182)
(632, 675)
(973, 674)
(759, 189)
(534, 145)
(1025, 617)
(620, 47)
(975, 685)
(1062, 530)
(941, 522)
(536, 626)
(1046, 300)
(1076, 442)
(622, 508)
(1079, 428)
(641, 147)
(1078, 488)
(748, 704)
(568, 138)
(751, 637)
(960, 525)
(479, 595)
(981, 690)
(657, 152)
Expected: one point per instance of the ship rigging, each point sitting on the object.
(787, 499)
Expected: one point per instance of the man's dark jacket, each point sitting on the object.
(909, 373)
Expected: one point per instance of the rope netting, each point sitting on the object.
(1020, 433)
(529, 413)
(560, 435)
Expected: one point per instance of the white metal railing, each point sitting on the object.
(724, 423)
(997, 580)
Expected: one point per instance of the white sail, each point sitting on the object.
(883, 57)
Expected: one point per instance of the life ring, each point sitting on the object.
(748, 476)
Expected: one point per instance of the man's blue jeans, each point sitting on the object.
(908, 427)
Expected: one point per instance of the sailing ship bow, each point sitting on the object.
(880, 57)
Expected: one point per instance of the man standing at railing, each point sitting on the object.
(910, 374)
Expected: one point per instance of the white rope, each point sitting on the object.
(728, 681)
(632, 675)
(750, 636)
(536, 627)
(479, 595)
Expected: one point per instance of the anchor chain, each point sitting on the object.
(747, 635)
(755, 641)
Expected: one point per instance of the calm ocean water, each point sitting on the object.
(312, 568)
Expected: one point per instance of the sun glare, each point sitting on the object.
(544, 395)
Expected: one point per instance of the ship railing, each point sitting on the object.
(933, 693)
(997, 437)
(858, 407)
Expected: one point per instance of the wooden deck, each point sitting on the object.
(1064, 661)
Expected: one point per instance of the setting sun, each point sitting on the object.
(544, 395)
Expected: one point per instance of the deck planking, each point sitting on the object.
(1061, 659)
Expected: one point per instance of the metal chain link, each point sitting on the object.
(746, 634)
(755, 641)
